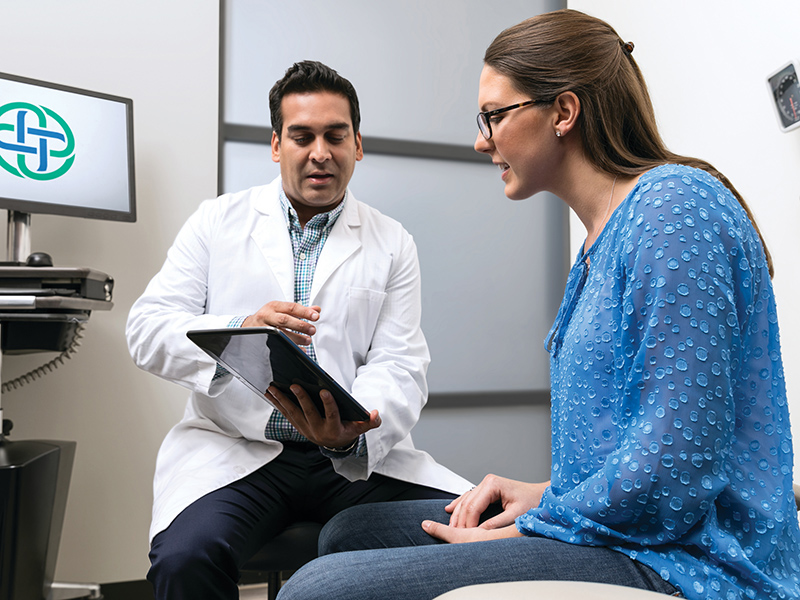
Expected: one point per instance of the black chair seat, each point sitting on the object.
(285, 553)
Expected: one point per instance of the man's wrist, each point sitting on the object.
(238, 321)
(344, 449)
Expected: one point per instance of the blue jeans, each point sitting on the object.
(395, 559)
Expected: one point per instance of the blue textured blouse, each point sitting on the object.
(670, 429)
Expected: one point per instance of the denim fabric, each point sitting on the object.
(425, 568)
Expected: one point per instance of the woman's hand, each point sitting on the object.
(462, 535)
(516, 498)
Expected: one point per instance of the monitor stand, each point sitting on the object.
(19, 238)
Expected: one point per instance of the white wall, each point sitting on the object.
(163, 55)
(706, 65)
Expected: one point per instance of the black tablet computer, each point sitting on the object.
(264, 356)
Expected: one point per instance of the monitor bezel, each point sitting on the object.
(74, 210)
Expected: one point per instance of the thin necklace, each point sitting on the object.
(608, 208)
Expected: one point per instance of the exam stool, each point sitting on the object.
(283, 555)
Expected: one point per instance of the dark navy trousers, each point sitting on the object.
(200, 554)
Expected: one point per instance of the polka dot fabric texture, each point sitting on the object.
(670, 427)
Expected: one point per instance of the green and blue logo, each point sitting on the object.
(35, 142)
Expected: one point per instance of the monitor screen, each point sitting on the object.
(65, 151)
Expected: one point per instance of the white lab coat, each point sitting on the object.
(230, 258)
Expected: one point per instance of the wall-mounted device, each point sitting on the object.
(785, 91)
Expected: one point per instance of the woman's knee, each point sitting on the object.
(380, 525)
(338, 533)
(317, 580)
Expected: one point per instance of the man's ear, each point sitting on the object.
(568, 107)
(276, 148)
(359, 147)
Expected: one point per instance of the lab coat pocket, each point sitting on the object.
(364, 308)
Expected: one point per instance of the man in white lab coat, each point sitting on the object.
(301, 254)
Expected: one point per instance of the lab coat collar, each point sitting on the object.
(342, 242)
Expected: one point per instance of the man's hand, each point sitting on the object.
(323, 430)
(290, 317)
(462, 535)
(516, 498)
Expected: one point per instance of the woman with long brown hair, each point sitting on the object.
(671, 451)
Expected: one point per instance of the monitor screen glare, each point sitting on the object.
(65, 151)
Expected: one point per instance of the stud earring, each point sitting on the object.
(558, 133)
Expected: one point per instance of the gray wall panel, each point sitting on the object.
(493, 270)
(415, 63)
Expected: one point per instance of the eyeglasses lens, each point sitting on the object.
(483, 126)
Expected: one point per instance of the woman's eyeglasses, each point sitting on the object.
(483, 117)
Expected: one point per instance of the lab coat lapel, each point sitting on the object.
(271, 235)
(342, 242)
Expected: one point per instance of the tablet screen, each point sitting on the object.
(264, 356)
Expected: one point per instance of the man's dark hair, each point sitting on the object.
(311, 76)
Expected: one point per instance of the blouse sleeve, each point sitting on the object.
(688, 270)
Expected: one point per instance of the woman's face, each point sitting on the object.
(523, 143)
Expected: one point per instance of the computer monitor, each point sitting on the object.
(65, 151)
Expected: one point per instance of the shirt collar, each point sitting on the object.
(322, 221)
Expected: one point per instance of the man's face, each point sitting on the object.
(317, 151)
